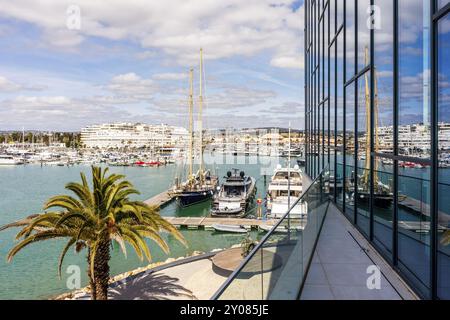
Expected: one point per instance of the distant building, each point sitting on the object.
(132, 135)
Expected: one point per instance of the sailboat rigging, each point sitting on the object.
(200, 186)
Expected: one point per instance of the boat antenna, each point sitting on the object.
(191, 108)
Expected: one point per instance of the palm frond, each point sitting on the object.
(63, 254)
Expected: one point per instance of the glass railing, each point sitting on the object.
(276, 268)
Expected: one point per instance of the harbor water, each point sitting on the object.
(32, 274)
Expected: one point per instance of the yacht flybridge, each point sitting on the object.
(234, 195)
(199, 186)
(285, 182)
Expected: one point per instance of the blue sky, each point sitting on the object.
(129, 62)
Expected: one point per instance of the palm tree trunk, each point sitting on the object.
(91, 279)
(101, 270)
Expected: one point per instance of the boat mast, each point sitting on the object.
(191, 109)
(200, 110)
(375, 126)
(365, 178)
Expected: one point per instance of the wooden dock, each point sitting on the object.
(421, 208)
(160, 200)
(207, 222)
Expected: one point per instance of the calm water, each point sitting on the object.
(33, 272)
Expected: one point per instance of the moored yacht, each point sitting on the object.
(9, 160)
(283, 182)
(234, 195)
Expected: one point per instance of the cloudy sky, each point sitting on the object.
(129, 60)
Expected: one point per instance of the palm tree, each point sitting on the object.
(94, 219)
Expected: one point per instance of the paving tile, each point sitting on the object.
(316, 275)
(341, 254)
(363, 293)
(350, 274)
(316, 292)
(339, 266)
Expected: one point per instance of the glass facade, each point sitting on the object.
(377, 97)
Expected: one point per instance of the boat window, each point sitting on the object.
(284, 175)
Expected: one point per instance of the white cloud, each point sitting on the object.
(177, 28)
(170, 76)
(8, 86)
(288, 62)
(132, 85)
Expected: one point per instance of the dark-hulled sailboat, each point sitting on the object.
(199, 186)
(382, 193)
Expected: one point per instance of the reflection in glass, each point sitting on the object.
(383, 212)
(340, 13)
(350, 151)
(444, 158)
(332, 116)
(384, 76)
(414, 79)
(442, 3)
(350, 39)
(340, 121)
(414, 226)
(332, 18)
(364, 138)
(363, 33)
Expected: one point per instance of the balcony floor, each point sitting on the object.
(339, 267)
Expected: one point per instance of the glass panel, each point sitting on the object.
(364, 152)
(332, 18)
(442, 3)
(325, 62)
(414, 63)
(363, 34)
(383, 210)
(340, 13)
(414, 225)
(333, 139)
(350, 39)
(384, 79)
(276, 268)
(444, 158)
(350, 150)
(340, 121)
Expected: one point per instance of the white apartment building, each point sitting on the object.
(413, 136)
(133, 135)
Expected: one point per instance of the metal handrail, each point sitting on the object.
(263, 240)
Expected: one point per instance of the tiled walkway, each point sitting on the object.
(339, 267)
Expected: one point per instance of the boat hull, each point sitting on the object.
(380, 200)
(229, 228)
(189, 198)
